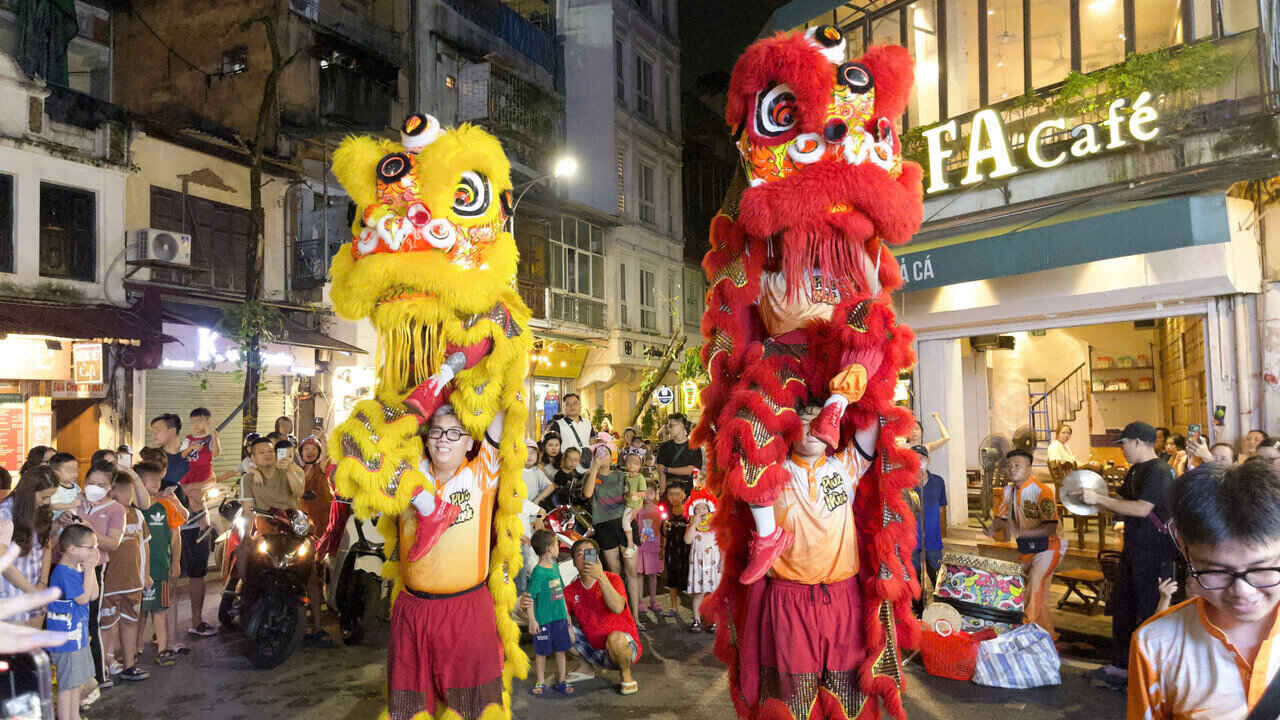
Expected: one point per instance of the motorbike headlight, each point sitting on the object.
(300, 522)
(263, 547)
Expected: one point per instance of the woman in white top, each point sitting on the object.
(1058, 450)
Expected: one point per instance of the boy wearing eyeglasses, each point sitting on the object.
(1214, 655)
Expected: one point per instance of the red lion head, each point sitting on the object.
(822, 158)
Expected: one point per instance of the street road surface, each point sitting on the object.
(679, 678)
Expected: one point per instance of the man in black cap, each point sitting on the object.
(1148, 557)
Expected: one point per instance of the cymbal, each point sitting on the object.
(1074, 483)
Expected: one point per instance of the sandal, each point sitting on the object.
(563, 688)
(538, 689)
(695, 627)
(629, 688)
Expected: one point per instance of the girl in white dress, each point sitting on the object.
(704, 554)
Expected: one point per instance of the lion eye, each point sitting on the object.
(855, 76)
(775, 111)
(473, 194)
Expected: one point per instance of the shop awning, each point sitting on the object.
(293, 333)
(79, 321)
(1063, 236)
(799, 12)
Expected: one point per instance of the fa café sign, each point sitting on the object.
(989, 142)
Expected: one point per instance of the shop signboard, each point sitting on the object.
(34, 358)
(12, 431)
(1138, 229)
(665, 395)
(66, 390)
(86, 361)
(988, 143)
(689, 394)
(41, 430)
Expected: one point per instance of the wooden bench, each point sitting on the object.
(1087, 585)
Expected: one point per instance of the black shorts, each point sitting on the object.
(609, 534)
(195, 553)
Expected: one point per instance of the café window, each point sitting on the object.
(68, 233)
(975, 53)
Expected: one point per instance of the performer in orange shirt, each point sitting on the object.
(444, 646)
(1028, 511)
(804, 633)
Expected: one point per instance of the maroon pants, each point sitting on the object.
(444, 649)
(810, 638)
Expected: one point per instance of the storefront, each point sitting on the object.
(1091, 224)
(555, 367)
(66, 376)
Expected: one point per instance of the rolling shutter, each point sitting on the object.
(179, 391)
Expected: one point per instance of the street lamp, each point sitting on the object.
(564, 168)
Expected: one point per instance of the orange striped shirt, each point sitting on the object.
(1183, 667)
(460, 558)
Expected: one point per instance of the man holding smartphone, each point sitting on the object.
(605, 633)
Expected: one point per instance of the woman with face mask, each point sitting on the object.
(21, 524)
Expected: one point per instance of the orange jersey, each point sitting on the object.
(460, 558)
(1029, 506)
(173, 511)
(1181, 666)
(816, 506)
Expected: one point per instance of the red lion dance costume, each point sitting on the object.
(798, 314)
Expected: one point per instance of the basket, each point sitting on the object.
(952, 655)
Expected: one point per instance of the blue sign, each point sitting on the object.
(550, 406)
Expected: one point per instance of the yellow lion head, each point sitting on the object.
(432, 260)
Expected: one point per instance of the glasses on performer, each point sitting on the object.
(453, 434)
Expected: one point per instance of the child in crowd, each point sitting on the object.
(67, 496)
(567, 480)
(74, 576)
(549, 617)
(704, 554)
(164, 518)
(200, 448)
(158, 457)
(531, 516)
(536, 483)
(649, 559)
(125, 578)
(635, 482)
(1214, 655)
(676, 558)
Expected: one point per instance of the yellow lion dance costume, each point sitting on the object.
(432, 263)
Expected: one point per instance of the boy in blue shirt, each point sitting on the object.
(73, 660)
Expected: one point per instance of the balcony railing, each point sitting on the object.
(528, 39)
(534, 296)
(565, 307)
(358, 28)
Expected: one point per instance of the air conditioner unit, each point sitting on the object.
(991, 342)
(161, 245)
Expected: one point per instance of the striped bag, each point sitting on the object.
(1021, 658)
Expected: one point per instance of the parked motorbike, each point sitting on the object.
(268, 598)
(353, 585)
(570, 524)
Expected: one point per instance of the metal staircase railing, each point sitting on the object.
(1060, 403)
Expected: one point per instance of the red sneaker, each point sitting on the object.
(764, 551)
(431, 527)
(826, 427)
